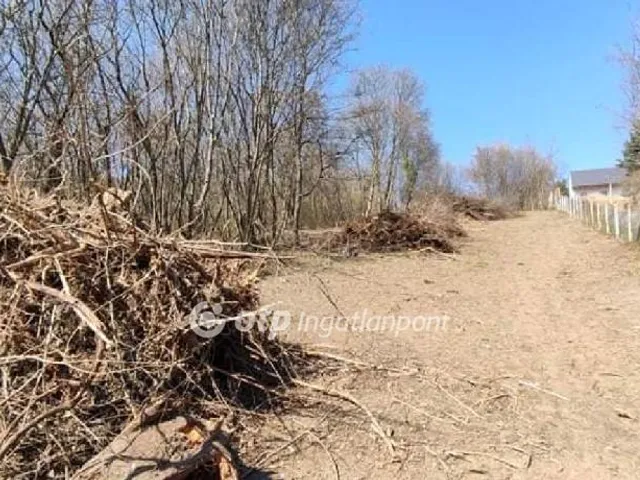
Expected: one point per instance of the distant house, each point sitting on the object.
(605, 181)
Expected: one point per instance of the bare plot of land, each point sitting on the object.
(535, 374)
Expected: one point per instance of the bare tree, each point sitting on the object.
(208, 109)
(393, 132)
(521, 177)
(629, 59)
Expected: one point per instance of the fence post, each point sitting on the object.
(581, 209)
(629, 227)
(616, 214)
(578, 209)
(607, 223)
(579, 203)
(598, 214)
(591, 222)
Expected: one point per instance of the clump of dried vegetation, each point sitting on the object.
(478, 208)
(433, 224)
(438, 210)
(93, 331)
(391, 231)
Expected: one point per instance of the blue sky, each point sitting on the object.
(518, 71)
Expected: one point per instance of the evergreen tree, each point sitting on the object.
(631, 153)
(562, 186)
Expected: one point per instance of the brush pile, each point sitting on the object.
(93, 331)
(389, 231)
(479, 208)
(437, 210)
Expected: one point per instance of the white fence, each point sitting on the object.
(617, 218)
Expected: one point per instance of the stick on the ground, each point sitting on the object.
(349, 398)
(488, 455)
(437, 252)
(325, 292)
(273, 453)
(334, 464)
(458, 401)
(543, 390)
(442, 463)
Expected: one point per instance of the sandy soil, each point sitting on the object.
(535, 374)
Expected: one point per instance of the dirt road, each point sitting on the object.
(535, 374)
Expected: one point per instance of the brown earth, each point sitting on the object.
(535, 374)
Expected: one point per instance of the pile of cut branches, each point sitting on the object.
(437, 210)
(479, 208)
(94, 330)
(390, 231)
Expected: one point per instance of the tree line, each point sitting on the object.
(519, 177)
(215, 114)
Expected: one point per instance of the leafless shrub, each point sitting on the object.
(521, 178)
(392, 132)
(213, 114)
